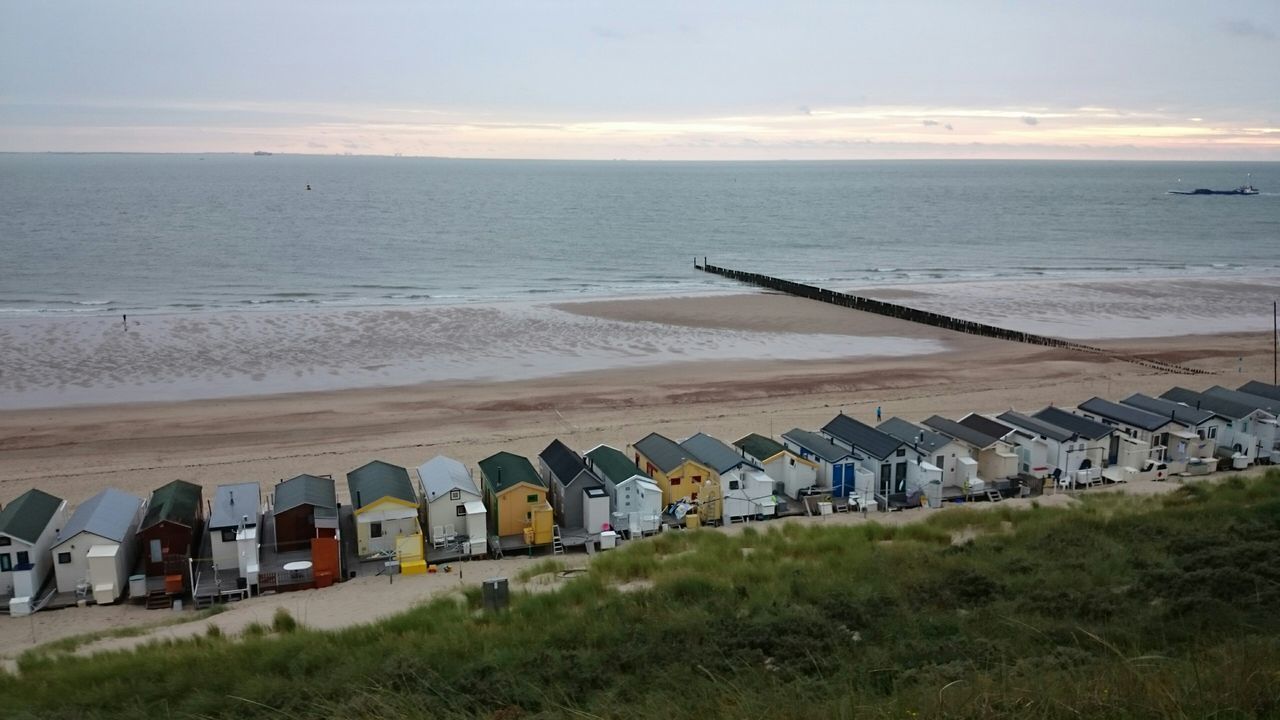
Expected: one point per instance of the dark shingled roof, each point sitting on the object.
(373, 481)
(1257, 402)
(565, 464)
(1036, 425)
(862, 436)
(305, 490)
(759, 446)
(715, 454)
(665, 453)
(28, 515)
(1082, 426)
(1219, 406)
(504, 470)
(960, 432)
(613, 466)
(925, 439)
(1124, 414)
(1267, 390)
(177, 503)
(818, 445)
(986, 425)
(1181, 413)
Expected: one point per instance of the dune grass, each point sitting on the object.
(1120, 607)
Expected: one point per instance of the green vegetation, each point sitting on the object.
(1120, 608)
(72, 643)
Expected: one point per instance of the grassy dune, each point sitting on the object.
(1120, 607)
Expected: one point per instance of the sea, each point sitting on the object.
(139, 234)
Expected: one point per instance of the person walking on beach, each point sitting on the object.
(125, 319)
(877, 413)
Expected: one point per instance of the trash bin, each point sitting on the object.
(495, 594)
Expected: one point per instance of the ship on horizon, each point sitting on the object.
(1246, 189)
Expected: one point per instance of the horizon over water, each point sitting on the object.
(111, 234)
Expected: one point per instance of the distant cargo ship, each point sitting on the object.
(262, 153)
(1245, 189)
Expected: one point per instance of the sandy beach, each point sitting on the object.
(73, 452)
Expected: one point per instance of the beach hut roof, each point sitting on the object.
(1256, 402)
(305, 489)
(715, 454)
(1036, 425)
(1267, 390)
(503, 470)
(817, 444)
(441, 475)
(662, 451)
(613, 466)
(862, 436)
(109, 515)
(233, 502)
(1181, 413)
(1082, 426)
(373, 481)
(28, 515)
(177, 502)
(1131, 416)
(759, 446)
(564, 463)
(963, 433)
(923, 438)
(1218, 406)
(986, 425)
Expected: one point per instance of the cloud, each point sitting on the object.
(929, 123)
(1030, 120)
(1248, 29)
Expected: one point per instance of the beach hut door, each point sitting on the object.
(157, 553)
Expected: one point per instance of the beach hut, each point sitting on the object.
(1090, 452)
(839, 469)
(1267, 390)
(1050, 450)
(517, 500)
(746, 491)
(95, 551)
(893, 463)
(1266, 428)
(28, 528)
(167, 534)
(455, 507)
(1247, 430)
(635, 500)
(567, 477)
(1146, 427)
(385, 509)
(790, 472)
(940, 451)
(233, 530)
(304, 508)
(996, 458)
(680, 476)
(1191, 439)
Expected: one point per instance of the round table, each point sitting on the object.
(297, 566)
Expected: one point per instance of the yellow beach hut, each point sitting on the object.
(386, 513)
(679, 475)
(516, 498)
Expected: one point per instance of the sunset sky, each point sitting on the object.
(646, 80)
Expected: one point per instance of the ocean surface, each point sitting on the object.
(111, 234)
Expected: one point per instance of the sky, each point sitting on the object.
(646, 79)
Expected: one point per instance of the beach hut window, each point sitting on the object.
(375, 530)
(455, 495)
(675, 481)
(531, 498)
(902, 452)
(228, 534)
(6, 563)
(4, 542)
(1213, 432)
(156, 552)
(460, 510)
(696, 479)
(733, 484)
(64, 558)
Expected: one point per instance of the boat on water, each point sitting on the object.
(1245, 189)
(262, 153)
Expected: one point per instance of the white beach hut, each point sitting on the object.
(454, 506)
(94, 553)
(635, 500)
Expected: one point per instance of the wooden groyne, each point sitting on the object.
(924, 317)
